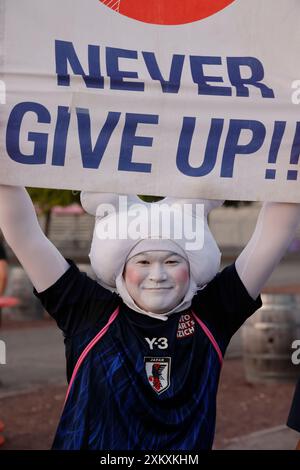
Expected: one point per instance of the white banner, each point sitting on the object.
(193, 98)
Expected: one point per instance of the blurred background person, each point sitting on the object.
(3, 283)
(3, 268)
(3, 271)
(294, 415)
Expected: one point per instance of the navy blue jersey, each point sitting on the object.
(147, 384)
(294, 415)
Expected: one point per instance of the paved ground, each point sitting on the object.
(276, 438)
(34, 357)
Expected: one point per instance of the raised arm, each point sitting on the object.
(39, 257)
(275, 229)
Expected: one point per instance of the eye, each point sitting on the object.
(143, 261)
(172, 261)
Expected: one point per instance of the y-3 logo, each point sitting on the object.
(161, 343)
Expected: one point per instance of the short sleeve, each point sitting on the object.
(224, 303)
(76, 301)
(294, 415)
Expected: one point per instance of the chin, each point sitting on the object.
(153, 310)
(157, 310)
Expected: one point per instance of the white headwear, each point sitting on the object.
(108, 256)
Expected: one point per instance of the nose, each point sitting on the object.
(157, 273)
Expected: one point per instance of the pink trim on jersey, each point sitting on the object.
(104, 330)
(210, 337)
(89, 347)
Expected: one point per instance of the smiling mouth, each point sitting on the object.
(158, 288)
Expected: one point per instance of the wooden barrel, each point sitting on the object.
(19, 285)
(267, 338)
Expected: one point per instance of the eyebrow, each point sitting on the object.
(147, 255)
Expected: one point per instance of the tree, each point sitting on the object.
(46, 199)
(150, 198)
(226, 203)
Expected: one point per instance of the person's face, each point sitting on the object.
(157, 281)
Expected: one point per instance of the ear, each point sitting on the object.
(90, 201)
(209, 204)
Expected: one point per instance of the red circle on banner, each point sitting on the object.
(167, 12)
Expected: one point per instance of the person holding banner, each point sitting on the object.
(145, 340)
(3, 282)
(294, 415)
(3, 269)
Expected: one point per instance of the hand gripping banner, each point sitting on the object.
(198, 98)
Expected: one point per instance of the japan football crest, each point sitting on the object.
(158, 371)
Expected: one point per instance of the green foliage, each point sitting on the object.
(226, 204)
(237, 204)
(46, 199)
(150, 198)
